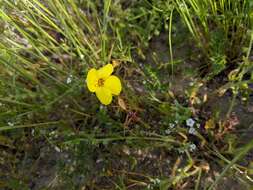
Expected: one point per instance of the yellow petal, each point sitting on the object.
(113, 84)
(92, 79)
(105, 71)
(104, 95)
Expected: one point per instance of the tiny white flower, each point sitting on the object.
(192, 131)
(167, 131)
(171, 125)
(190, 122)
(157, 181)
(192, 147)
(69, 79)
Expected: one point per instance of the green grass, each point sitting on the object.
(55, 134)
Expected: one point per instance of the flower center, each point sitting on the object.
(101, 82)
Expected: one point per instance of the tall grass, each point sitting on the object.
(221, 28)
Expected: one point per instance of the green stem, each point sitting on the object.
(243, 152)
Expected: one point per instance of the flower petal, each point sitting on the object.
(104, 95)
(92, 78)
(105, 71)
(113, 84)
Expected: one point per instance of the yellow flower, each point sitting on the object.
(103, 83)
